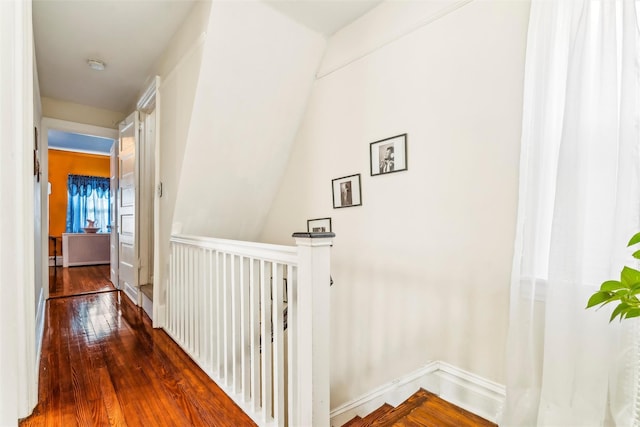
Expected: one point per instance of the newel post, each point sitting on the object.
(312, 384)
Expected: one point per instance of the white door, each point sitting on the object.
(114, 213)
(127, 178)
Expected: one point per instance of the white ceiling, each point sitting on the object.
(324, 16)
(129, 36)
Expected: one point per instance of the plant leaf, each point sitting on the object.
(611, 285)
(634, 312)
(629, 276)
(636, 254)
(599, 298)
(635, 239)
(618, 311)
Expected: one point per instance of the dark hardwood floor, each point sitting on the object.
(104, 365)
(79, 280)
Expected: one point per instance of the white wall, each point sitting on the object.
(18, 378)
(256, 75)
(72, 112)
(178, 68)
(229, 109)
(422, 268)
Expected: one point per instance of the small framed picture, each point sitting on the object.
(389, 155)
(319, 225)
(346, 191)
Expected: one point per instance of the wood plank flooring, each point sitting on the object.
(104, 365)
(422, 409)
(79, 280)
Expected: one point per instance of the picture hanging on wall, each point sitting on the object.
(346, 191)
(319, 225)
(389, 155)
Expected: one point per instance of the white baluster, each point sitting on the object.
(219, 325)
(278, 346)
(226, 319)
(235, 329)
(265, 339)
(244, 329)
(292, 342)
(254, 297)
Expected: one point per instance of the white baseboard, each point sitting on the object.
(469, 391)
(131, 292)
(159, 316)
(39, 328)
(147, 306)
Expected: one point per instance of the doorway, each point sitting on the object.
(72, 144)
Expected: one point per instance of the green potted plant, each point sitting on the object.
(624, 291)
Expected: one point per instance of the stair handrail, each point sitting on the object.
(306, 268)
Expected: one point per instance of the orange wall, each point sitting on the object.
(61, 164)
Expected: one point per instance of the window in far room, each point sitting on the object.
(88, 204)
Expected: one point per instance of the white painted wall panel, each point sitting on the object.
(422, 269)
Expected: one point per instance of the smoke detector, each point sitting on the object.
(96, 64)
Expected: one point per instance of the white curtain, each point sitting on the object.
(579, 204)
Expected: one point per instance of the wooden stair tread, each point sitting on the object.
(422, 409)
(403, 409)
(440, 412)
(353, 422)
(375, 415)
(367, 421)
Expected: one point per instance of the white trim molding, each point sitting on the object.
(19, 390)
(464, 389)
(42, 302)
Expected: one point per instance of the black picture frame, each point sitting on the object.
(388, 155)
(346, 191)
(319, 225)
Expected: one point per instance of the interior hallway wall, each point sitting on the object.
(256, 75)
(224, 141)
(61, 164)
(72, 112)
(422, 268)
(178, 68)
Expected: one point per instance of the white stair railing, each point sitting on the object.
(255, 318)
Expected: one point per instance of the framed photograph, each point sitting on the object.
(346, 191)
(319, 225)
(389, 155)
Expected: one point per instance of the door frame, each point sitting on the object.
(64, 126)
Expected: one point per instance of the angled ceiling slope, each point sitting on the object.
(324, 16)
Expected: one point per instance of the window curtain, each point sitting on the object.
(88, 198)
(579, 204)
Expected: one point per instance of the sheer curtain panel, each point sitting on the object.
(579, 204)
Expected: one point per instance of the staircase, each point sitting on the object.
(422, 409)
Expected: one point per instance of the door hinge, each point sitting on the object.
(160, 190)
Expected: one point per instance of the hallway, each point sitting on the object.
(103, 364)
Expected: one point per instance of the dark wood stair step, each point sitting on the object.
(422, 409)
(353, 422)
(435, 411)
(403, 409)
(377, 414)
(369, 419)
